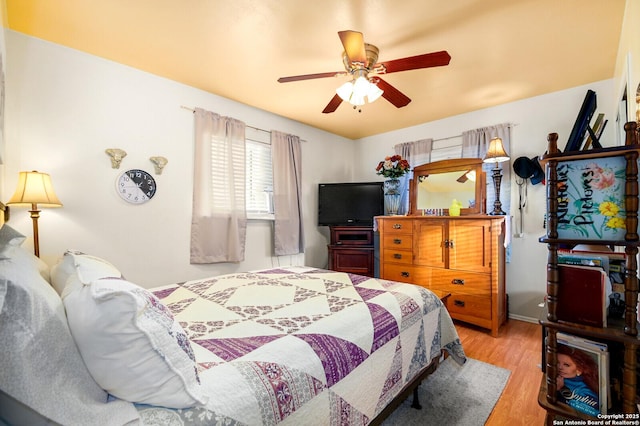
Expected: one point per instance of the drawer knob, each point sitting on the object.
(457, 281)
(397, 241)
(404, 274)
(459, 303)
(397, 226)
(397, 256)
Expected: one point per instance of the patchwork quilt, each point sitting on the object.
(302, 345)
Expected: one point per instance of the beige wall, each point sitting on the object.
(627, 70)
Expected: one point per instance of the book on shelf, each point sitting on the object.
(583, 374)
(613, 263)
(582, 295)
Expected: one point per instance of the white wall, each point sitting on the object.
(534, 119)
(64, 108)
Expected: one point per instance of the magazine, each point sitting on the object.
(583, 371)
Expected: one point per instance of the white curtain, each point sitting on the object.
(219, 217)
(475, 144)
(416, 153)
(286, 158)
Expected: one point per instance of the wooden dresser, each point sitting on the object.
(461, 255)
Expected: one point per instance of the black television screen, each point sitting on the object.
(356, 204)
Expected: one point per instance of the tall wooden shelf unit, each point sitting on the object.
(620, 335)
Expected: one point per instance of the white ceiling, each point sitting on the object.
(502, 50)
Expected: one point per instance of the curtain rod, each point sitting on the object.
(460, 135)
(251, 127)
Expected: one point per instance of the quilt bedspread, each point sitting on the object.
(302, 345)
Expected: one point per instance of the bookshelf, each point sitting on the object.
(565, 228)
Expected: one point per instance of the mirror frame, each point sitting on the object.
(445, 166)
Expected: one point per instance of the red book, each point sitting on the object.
(582, 295)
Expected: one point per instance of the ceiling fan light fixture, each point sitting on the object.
(357, 99)
(374, 92)
(345, 91)
(361, 87)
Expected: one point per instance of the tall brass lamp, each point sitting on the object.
(496, 154)
(35, 189)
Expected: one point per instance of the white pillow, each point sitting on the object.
(9, 239)
(10, 242)
(40, 365)
(131, 344)
(87, 268)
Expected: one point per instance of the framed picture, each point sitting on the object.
(583, 369)
(576, 138)
(591, 203)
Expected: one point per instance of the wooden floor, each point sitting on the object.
(517, 348)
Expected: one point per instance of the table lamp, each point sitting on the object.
(496, 154)
(35, 189)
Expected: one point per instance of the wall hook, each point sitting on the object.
(116, 155)
(159, 163)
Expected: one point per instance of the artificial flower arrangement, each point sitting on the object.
(393, 167)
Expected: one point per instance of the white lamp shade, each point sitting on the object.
(345, 91)
(361, 87)
(357, 99)
(496, 152)
(374, 92)
(35, 188)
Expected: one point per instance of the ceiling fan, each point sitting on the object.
(360, 61)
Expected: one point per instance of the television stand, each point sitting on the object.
(352, 250)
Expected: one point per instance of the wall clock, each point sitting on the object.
(136, 186)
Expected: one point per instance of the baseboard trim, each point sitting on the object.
(523, 318)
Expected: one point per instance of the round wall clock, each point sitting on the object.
(136, 186)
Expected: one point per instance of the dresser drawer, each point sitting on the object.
(400, 241)
(397, 226)
(397, 256)
(396, 272)
(461, 282)
(466, 306)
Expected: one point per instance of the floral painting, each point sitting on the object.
(591, 198)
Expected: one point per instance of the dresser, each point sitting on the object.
(462, 255)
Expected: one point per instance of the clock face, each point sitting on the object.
(136, 186)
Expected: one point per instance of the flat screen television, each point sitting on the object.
(355, 204)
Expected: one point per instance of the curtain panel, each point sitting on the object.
(219, 217)
(416, 153)
(286, 158)
(475, 144)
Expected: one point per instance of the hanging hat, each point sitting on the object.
(529, 168)
(538, 173)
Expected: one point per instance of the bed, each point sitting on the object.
(289, 346)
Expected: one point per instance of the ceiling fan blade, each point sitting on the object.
(353, 43)
(333, 105)
(310, 76)
(428, 60)
(392, 94)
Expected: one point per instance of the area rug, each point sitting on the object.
(454, 395)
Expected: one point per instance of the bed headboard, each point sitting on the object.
(4, 213)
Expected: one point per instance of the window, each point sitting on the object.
(446, 149)
(259, 174)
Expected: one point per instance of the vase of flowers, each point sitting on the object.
(392, 168)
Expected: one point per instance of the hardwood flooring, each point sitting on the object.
(517, 348)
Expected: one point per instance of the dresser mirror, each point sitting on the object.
(435, 185)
